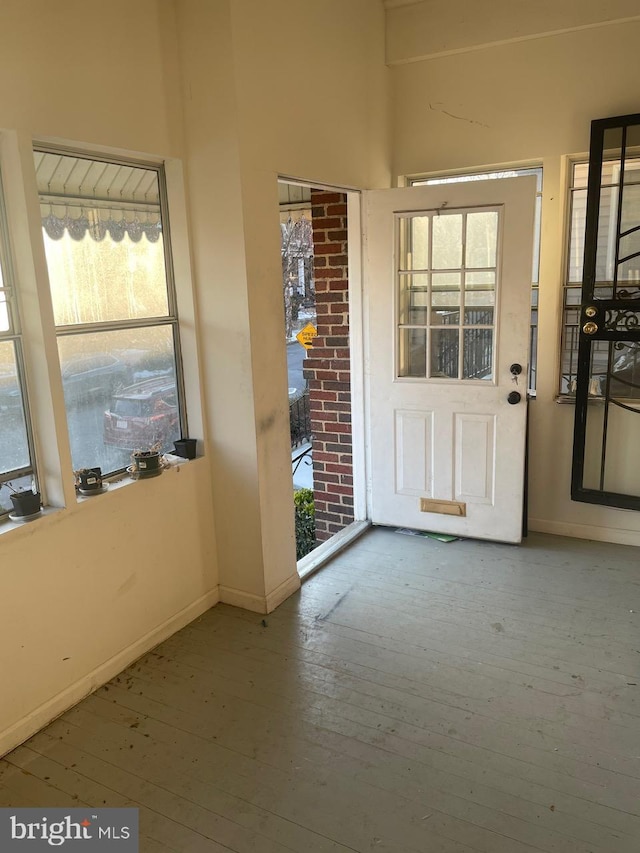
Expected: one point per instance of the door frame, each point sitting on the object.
(361, 503)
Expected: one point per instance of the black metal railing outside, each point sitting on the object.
(300, 419)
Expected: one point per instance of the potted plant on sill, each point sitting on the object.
(89, 480)
(26, 502)
(147, 463)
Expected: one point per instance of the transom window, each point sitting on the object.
(109, 261)
(446, 284)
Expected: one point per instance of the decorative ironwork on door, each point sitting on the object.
(606, 447)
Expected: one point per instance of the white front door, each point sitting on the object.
(447, 294)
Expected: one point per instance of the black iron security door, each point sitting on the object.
(606, 447)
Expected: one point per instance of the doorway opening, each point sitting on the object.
(315, 283)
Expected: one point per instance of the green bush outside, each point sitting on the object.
(305, 522)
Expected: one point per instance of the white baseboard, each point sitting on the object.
(259, 603)
(585, 531)
(325, 552)
(34, 721)
(282, 592)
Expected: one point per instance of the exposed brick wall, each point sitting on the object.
(328, 369)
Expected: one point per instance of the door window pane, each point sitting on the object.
(414, 243)
(413, 353)
(478, 354)
(444, 354)
(478, 316)
(447, 241)
(419, 248)
(413, 300)
(482, 238)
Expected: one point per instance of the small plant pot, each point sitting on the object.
(90, 479)
(25, 503)
(147, 462)
(185, 447)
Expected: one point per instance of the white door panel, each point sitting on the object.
(447, 294)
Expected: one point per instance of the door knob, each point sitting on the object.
(514, 397)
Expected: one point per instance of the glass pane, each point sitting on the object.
(576, 237)
(625, 370)
(630, 245)
(484, 176)
(414, 243)
(478, 316)
(413, 300)
(413, 352)
(415, 312)
(608, 463)
(120, 394)
(82, 274)
(580, 174)
(611, 171)
(537, 228)
(477, 354)
(419, 248)
(480, 288)
(607, 223)
(629, 274)
(447, 241)
(482, 238)
(446, 280)
(479, 298)
(445, 316)
(14, 449)
(631, 170)
(480, 280)
(444, 353)
(4, 312)
(569, 358)
(103, 239)
(630, 207)
(445, 298)
(569, 355)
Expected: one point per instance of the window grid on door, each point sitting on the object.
(446, 294)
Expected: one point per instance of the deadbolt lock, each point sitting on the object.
(590, 311)
(590, 328)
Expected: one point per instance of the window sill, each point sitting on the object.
(118, 481)
(7, 525)
(566, 400)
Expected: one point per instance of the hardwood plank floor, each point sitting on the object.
(414, 696)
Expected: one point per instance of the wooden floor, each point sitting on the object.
(415, 696)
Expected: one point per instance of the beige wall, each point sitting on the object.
(528, 100)
(278, 88)
(90, 587)
(200, 81)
